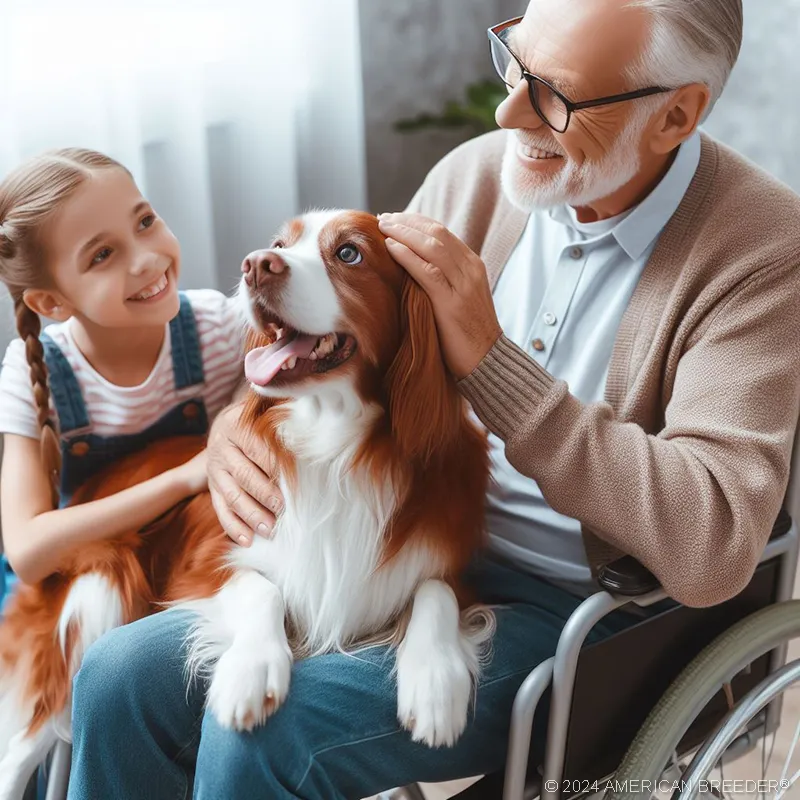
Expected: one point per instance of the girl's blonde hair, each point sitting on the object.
(29, 196)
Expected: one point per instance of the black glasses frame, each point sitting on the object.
(571, 107)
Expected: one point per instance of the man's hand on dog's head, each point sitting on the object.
(239, 478)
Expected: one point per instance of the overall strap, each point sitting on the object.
(187, 357)
(64, 388)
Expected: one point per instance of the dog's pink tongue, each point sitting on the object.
(262, 364)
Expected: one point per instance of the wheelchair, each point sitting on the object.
(629, 710)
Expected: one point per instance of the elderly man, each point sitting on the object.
(634, 354)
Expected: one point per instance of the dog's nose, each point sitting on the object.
(260, 265)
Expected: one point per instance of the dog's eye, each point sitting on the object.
(277, 244)
(349, 254)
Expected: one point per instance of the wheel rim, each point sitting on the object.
(749, 707)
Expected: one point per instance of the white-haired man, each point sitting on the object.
(633, 353)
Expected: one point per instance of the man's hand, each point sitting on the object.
(240, 468)
(455, 279)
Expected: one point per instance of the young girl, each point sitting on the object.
(129, 359)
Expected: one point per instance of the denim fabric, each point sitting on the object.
(140, 733)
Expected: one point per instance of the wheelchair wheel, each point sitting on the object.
(656, 743)
(697, 778)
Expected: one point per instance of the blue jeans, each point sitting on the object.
(140, 732)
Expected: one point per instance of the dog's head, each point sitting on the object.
(331, 309)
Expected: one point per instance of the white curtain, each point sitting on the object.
(232, 115)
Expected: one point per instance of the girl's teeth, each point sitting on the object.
(152, 291)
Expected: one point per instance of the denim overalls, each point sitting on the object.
(84, 453)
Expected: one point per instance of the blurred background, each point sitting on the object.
(236, 115)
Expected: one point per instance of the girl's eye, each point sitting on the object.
(147, 220)
(102, 255)
(349, 254)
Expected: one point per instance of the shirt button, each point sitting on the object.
(538, 344)
(550, 319)
(576, 253)
(79, 448)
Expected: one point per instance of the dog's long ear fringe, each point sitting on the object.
(424, 404)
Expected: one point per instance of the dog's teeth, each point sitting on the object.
(290, 364)
(325, 346)
(328, 343)
(335, 340)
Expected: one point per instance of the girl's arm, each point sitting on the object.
(38, 539)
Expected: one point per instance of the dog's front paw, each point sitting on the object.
(248, 686)
(433, 694)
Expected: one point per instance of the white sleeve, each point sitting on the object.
(221, 329)
(17, 404)
(234, 324)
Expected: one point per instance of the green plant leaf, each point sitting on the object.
(478, 112)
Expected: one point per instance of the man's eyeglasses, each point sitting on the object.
(551, 105)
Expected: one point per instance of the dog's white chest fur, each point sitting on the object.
(321, 571)
(327, 544)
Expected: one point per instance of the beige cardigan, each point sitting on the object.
(685, 464)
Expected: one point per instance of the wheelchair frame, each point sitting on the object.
(560, 671)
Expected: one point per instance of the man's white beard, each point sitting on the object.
(573, 185)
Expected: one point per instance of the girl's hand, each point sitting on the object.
(193, 475)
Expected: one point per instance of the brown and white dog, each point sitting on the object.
(383, 474)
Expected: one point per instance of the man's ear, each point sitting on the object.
(47, 304)
(680, 119)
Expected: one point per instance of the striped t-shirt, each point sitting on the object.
(123, 410)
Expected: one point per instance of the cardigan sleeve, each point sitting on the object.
(694, 503)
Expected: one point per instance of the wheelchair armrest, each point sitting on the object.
(626, 576)
(782, 524)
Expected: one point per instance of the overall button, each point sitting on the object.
(549, 319)
(191, 411)
(79, 448)
(538, 344)
(576, 252)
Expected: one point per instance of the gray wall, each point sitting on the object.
(418, 54)
(759, 112)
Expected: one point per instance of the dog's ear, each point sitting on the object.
(424, 404)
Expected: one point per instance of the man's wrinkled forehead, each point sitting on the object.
(580, 43)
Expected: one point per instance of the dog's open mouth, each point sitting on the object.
(296, 355)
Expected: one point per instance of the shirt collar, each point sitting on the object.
(638, 228)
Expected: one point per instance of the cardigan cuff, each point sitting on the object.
(506, 388)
